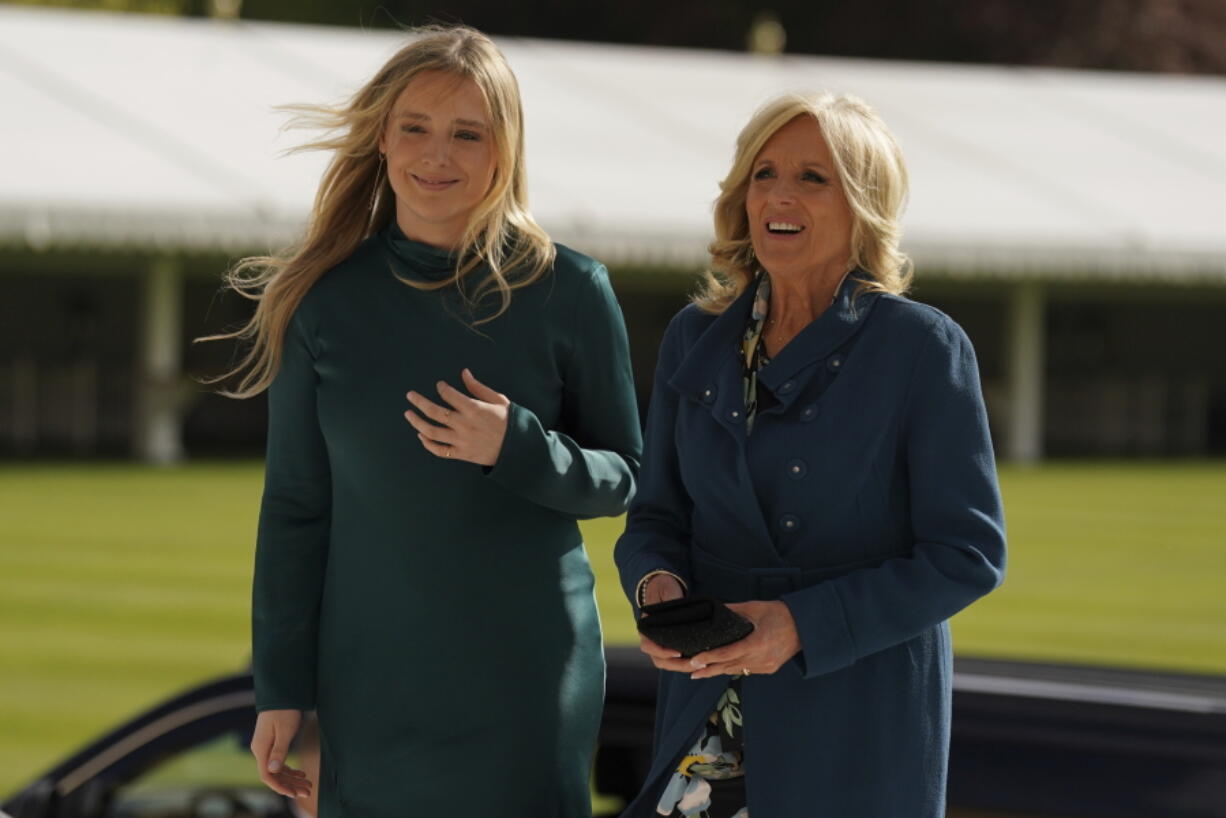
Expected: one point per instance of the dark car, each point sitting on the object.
(1027, 739)
(188, 757)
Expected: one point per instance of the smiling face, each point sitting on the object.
(441, 156)
(799, 221)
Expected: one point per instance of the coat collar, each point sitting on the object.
(711, 372)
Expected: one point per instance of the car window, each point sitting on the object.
(213, 780)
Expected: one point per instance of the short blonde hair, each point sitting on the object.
(874, 178)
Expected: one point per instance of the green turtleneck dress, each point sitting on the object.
(437, 614)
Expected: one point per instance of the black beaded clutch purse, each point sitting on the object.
(693, 624)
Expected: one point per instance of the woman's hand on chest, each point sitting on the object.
(463, 428)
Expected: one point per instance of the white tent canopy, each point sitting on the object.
(160, 133)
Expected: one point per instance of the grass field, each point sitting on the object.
(121, 584)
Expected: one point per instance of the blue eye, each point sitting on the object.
(811, 176)
(470, 136)
(763, 173)
(412, 129)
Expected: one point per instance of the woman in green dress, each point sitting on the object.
(449, 392)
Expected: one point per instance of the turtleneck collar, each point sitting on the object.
(417, 259)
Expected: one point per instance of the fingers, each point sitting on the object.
(442, 415)
(426, 429)
(663, 658)
(454, 397)
(437, 449)
(280, 749)
(724, 669)
(270, 745)
(290, 783)
(461, 427)
(666, 659)
(261, 744)
(728, 654)
(673, 665)
(703, 666)
(773, 642)
(454, 401)
(278, 784)
(655, 651)
(438, 438)
(729, 660)
(480, 390)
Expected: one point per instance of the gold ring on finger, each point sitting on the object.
(744, 671)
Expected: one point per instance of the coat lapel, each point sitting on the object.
(711, 375)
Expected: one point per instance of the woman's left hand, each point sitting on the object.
(466, 428)
(774, 641)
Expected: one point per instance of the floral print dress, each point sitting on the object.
(710, 780)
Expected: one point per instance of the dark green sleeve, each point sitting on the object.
(588, 470)
(292, 546)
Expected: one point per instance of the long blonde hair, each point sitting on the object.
(355, 200)
(874, 178)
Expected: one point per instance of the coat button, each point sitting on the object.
(835, 363)
(797, 469)
(708, 394)
(734, 415)
(809, 412)
(789, 522)
(786, 387)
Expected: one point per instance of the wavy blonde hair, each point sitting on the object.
(874, 177)
(355, 200)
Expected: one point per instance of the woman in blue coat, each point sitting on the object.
(817, 454)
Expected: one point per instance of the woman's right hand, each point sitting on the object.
(274, 731)
(661, 588)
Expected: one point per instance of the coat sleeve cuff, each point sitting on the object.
(826, 643)
(260, 708)
(281, 688)
(524, 454)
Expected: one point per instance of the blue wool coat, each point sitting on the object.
(866, 500)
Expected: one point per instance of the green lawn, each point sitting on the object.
(121, 584)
